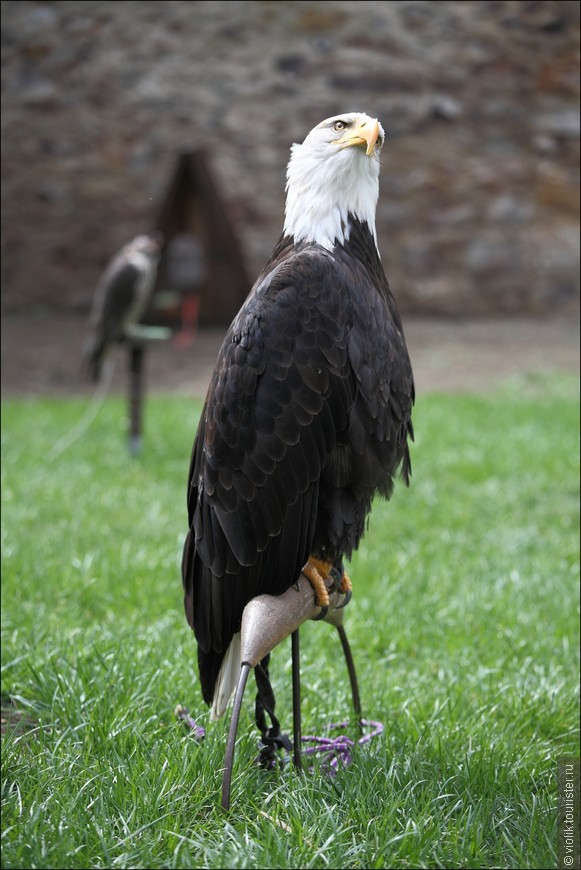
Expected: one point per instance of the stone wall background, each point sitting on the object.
(479, 197)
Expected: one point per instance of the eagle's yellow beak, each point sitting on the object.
(365, 132)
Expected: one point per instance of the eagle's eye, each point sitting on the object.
(339, 125)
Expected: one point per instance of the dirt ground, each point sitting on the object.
(40, 356)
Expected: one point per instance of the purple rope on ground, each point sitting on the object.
(334, 749)
(339, 748)
(183, 713)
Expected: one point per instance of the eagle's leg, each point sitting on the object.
(316, 571)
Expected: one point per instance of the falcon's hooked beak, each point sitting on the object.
(365, 131)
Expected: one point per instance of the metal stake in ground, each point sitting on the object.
(266, 621)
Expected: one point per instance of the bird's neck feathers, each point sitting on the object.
(323, 192)
(139, 259)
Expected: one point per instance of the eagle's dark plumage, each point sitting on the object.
(308, 412)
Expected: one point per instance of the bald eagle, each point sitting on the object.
(308, 412)
(121, 298)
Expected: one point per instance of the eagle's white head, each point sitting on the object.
(333, 173)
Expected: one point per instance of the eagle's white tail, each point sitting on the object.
(227, 679)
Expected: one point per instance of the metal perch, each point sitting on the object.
(138, 336)
(266, 621)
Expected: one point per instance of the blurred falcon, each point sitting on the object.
(121, 298)
(308, 413)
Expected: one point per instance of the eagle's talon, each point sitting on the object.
(337, 574)
(348, 596)
(345, 585)
(322, 614)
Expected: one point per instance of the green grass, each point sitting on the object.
(464, 626)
